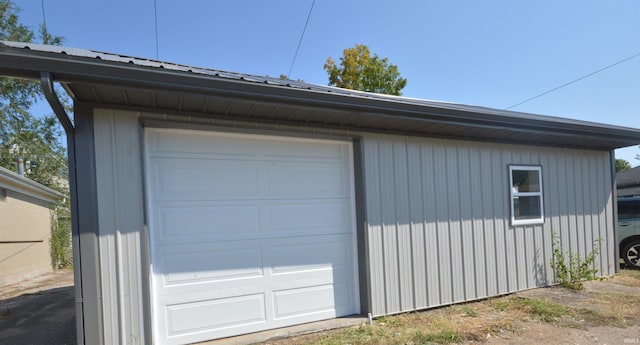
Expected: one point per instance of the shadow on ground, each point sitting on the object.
(44, 317)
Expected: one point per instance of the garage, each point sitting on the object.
(208, 204)
(247, 232)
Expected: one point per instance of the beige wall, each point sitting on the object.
(24, 218)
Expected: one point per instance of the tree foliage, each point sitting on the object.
(622, 165)
(359, 70)
(34, 139)
(22, 135)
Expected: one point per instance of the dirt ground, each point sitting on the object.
(40, 311)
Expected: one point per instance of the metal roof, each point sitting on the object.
(112, 80)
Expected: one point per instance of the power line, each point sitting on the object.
(300, 40)
(575, 80)
(155, 15)
(44, 17)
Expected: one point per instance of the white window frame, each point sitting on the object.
(514, 194)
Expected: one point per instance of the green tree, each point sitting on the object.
(35, 139)
(622, 165)
(22, 135)
(358, 70)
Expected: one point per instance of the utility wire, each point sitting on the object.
(155, 15)
(300, 40)
(44, 17)
(575, 80)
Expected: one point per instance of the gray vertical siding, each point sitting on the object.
(438, 216)
(121, 212)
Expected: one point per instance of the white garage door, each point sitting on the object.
(247, 232)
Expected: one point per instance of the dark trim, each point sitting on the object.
(75, 236)
(614, 197)
(85, 190)
(18, 242)
(362, 235)
(342, 127)
(46, 81)
(145, 244)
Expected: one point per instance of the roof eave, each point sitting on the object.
(15, 182)
(22, 62)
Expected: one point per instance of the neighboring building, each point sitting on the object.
(628, 182)
(210, 204)
(26, 220)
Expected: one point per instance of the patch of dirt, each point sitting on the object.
(47, 281)
(40, 310)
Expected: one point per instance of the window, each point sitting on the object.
(526, 194)
(628, 209)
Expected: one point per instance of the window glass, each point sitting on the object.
(628, 210)
(526, 195)
(526, 207)
(624, 211)
(526, 181)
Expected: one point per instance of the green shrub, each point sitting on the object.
(577, 271)
(61, 250)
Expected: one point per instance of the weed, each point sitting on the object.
(442, 337)
(392, 321)
(538, 309)
(573, 275)
(500, 304)
(468, 311)
(544, 310)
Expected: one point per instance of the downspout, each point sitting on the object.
(54, 102)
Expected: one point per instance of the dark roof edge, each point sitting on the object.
(96, 68)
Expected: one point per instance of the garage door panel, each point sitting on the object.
(307, 182)
(309, 217)
(309, 149)
(185, 182)
(220, 313)
(299, 257)
(211, 266)
(247, 233)
(307, 300)
(202, 143)
(196, 221)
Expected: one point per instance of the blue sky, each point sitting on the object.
(488, 53)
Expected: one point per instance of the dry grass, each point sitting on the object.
(628, 278)
(502, 317)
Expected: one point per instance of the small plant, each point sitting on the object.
(577, 271)
(442, 337)
(543, 310)
(536, 308)
(468, 311)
